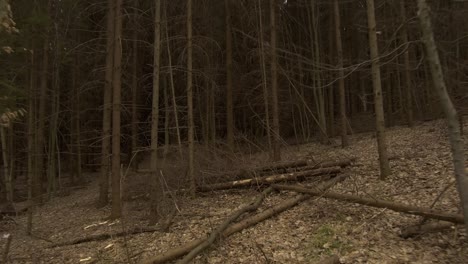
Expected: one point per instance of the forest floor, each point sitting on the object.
(305, 233)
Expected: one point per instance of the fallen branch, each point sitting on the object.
(418, 230)
(181, 251)
(454, 218)
(326, 164)
(246, 223)
(105, 236)
(294, 176)
(217, 233)
(281, 166)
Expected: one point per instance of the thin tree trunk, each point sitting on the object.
(107, 109)
(53, 125)
(167, 114)
(191, 169)
(331, 89)
(318, 90)
(456, 141)
(407, 74)
(8, 183)
(12, 148)
(377, 84)
(116, 210)
(135, 90)
(341, 81)
(266, 94)
(41, 122)
(156, 187)
(31, 142)
(75, 124)
(171, 78)
(274, 84)
(229, 102)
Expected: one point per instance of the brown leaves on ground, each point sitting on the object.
(422, 170)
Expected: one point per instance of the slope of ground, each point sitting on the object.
(422, 169)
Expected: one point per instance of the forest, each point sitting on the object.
(223, 131)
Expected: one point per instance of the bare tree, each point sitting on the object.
(274, 84)
(135, 90)
(456, 141)
(116, 211)
(44, 82)
(376, 83)
(156, 190)
(341, 81)
(407, 73)
(191, 132)
(229, 103)
(107, 109)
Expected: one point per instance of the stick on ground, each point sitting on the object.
(429, 213)
(417, 230)
(105, 236)
(294, 176)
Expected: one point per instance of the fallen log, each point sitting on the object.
(217, 233)
(181, 251)
(429, 213)
(293, 176)
(326, 164)
(417, 230)
(105, 236)
(281, 167)
(246, 223)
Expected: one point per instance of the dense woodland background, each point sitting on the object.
(96, 86)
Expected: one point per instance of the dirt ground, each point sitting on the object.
(307, 233)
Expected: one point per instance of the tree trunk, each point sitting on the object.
(135, 90)
(407, 73)
(319, 91)
(266, 94)
(331, 88)
(171, 78)
(31, 142)
(107, 109)
(377, 84)
(53, 153)
(156, 187)
(341, 81)
(42, 116)
(8, 182)
(229, 102)
(116, 210)
(456, 141)
(191, 168)
(274, 84)
(75, 123)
